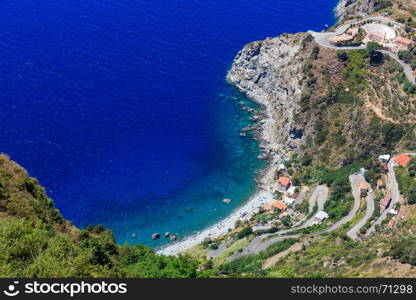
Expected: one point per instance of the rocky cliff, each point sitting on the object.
(269, 72)
(351, 8)
(272, 73)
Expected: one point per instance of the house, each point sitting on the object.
(385, 202)
(261, 227)
(279, 205)
(291, 191)
(393, 211)
(364, 188)
(375, 37)
(288, 201)
(402, 43)
(402, 159)
(341, 38)
(384, 157)
(362, 171)
(284, 183)
(321, 216)
(347, 36)
(267, 207)
(281, 170)
(391, 224)
(380, 184)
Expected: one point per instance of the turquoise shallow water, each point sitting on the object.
(201, 204)
(116, 106)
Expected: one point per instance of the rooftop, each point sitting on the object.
(341, 38)
(386, 200)
(402, 159)
(284, 181)
(280, 205)
(322, 215)
(364, 186)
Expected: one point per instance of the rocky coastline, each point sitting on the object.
(257, 70)
(269, 73)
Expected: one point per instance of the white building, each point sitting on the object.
(291, 191)
(321, 216)
(384, 157)
(288, 201)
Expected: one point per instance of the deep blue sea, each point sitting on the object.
(121, 110)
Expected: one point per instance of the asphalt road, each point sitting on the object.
(406, 68)
(322, 38)
(354, 181)
(353, 232)
(319, 196)
(395, 197)
(260, 243)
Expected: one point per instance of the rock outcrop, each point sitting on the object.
(354, 8)
(269, 73)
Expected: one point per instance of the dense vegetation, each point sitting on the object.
(404, 249)
(406, 179)
(35, 241)
(250, 265)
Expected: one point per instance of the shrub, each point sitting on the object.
(245, 232)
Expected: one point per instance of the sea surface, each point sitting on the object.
(121, 110)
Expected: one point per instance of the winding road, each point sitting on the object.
(322, 38)
(406, 68)
(395, 197)
(320, 196)
(261, 243)
(353, 232)
(355, 182)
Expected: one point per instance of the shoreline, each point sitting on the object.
(264, 133)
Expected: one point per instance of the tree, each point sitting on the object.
(315, 52)
(376, 57)
(411, 199)
(245, 232)
(342, 55)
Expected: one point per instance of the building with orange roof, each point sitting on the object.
(391, 223)
(402, 43)
(279, 205)
(284, 182)
(364, 188)
(385, 202)
(402, 159)
(267, 207)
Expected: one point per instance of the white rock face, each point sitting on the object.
(269, 73)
